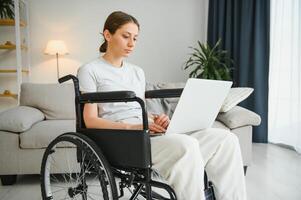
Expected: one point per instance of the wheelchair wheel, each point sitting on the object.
(73, 167)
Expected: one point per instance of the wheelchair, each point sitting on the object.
(95, 160)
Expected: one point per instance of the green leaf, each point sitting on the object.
(210, 63)
(7, 9)
(191, 64)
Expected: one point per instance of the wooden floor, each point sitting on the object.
(274, 175)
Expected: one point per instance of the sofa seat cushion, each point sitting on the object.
(42, 133)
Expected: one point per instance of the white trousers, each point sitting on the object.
(181, 159)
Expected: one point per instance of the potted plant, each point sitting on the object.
(7, 9)
(209, 63)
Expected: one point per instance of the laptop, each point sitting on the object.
(198, 105)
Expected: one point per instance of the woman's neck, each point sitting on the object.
(113, 60)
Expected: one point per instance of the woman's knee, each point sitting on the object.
(225, 135)
(185, 144)
(176, 148)
(233, 139)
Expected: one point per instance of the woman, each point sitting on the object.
(179, 158)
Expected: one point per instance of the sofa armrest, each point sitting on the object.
(20, 118)
(238, 117)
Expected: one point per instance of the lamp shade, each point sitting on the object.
(56, 47)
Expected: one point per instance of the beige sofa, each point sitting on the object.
(47, 110)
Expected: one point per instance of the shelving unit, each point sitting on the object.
(16, 51)
(12, 71)
(9, 95)
(11, 47)
(11, 22)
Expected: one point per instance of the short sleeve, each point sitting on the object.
(87, 82)
(142, 81)
(142, 77)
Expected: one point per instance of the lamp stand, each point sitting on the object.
(57, 66)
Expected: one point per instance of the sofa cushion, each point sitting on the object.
(238, 117)
(166, 105)
(234, 97)
(42, 133)
(153, 105)
(171, 86)
(157, 105)
(20, 118)
(218, 124)
(56, 101)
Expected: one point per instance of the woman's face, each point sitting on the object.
(123, 41)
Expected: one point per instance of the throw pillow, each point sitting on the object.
(56, 101)
(20, 119)
(235, 96)
(154, 106)
(238, 117)
(158, 105)
(172, 86)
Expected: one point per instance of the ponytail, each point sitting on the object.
(103, 47)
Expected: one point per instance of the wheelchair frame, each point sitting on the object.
(133, 168)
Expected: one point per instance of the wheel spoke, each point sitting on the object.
(85, 179)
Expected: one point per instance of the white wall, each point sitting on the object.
(168, 27)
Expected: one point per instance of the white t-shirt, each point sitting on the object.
(101, 76)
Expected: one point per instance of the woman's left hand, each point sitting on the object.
(162, 120)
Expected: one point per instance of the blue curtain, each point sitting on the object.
(243, 26)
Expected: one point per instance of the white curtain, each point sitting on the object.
(285, 73)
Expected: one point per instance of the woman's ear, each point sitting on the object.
(107, 35)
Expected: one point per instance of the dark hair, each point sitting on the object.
(114, 21)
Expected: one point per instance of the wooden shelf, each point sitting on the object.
(11, 22)
(16, 49)
(11, 47)
(9, 94)
(13, 70)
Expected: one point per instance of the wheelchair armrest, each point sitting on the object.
(115, 96)
(164, 93)
(121, 96)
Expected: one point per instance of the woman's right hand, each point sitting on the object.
(153, 128)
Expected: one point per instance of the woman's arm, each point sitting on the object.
(93, 121)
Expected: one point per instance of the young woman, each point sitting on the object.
(179, 158)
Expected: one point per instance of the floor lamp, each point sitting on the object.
(56, 47)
